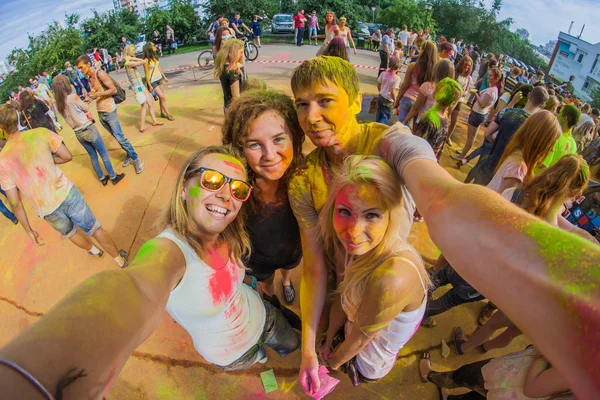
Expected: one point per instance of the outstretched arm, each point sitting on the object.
(96, 328)
(547, 281)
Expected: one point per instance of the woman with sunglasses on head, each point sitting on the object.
(263, 125)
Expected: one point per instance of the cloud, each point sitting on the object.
(38, 14)
(544, 19)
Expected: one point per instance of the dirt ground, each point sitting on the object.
(166, 366)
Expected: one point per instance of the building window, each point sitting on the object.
(580, 58)
(596, 66)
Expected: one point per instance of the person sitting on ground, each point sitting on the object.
(433, 126)
(526, 151)
(569, 117)
(263, 125)
(29, 170)
(337, 48)
(544, 196)
(505, 125)
(425, 98)
(521, 375)
(229, 69)
(382, 297)
(388, 84)
(77, 115)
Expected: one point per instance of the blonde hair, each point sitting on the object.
(235, 234)
(228, 54)
(373, 171)
(563, 181)
(127, 50)
(551, 104)
(535, 139)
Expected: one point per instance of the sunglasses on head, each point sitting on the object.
(213, 181)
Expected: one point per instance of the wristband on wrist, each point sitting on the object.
(254, 282)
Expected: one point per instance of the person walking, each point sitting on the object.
(103, 90)
(331, 28)
(29, 169)
(170, 36)
(299, 23)
(36, 112)
(77, 115)
(142, 95)
(386, 51)
(313, 28)
(256, 20)
(346, 34)
(403, 36)
(155, 79)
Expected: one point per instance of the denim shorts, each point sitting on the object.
(278, 334)
(476, 119)
(157, 83)
(72, 213)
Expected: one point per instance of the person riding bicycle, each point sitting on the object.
(237, 22)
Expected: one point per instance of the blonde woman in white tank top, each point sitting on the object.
(331, 30)
(346, 34)
(382, 286)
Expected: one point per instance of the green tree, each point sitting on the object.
(411, 13)
(596, 97)
(106, 29)
(50, 49)
(246, 8)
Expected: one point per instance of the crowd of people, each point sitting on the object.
(241, 211)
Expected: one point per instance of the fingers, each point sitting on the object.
(314, 379)
(305, 382)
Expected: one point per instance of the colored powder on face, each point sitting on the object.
(236, 166)
(197, 190)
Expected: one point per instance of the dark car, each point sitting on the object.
(282, 23)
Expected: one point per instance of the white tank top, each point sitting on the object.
(379, 356)
(224, 317)
(344, 35)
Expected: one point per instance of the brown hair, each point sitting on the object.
(459, 67)
(85, 59)
(555, 185)
(535, 139)
(249, 106)
(62, 89)
(337, 48)
(443, 69)
(26, 99)
(176, 215)
(9, 118)
(426, 62)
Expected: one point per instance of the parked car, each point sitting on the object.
(373, 28)
(139, 44)
(282, 23)
(363, 30)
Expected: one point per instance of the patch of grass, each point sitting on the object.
(189, 49)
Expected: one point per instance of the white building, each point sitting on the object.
(578, 58)
(139, 6)
(5, 68)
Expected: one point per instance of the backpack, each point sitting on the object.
(118, 97)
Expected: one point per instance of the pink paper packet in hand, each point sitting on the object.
(328, 383)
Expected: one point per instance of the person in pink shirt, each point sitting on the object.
(313, 28)
(29, 169)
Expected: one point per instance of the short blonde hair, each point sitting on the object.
(8, 119)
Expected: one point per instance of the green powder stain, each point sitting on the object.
(572, 262)
(196, 191)
(167, 390)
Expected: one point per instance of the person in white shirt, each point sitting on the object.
(403, 36)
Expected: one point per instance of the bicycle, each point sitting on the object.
(250, 49)
(206, 59)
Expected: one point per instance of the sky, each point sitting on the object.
(542, 18)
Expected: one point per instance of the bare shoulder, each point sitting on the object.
(397, 274)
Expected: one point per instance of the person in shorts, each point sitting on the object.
(29, 169)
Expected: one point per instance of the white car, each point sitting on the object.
(139, 44)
